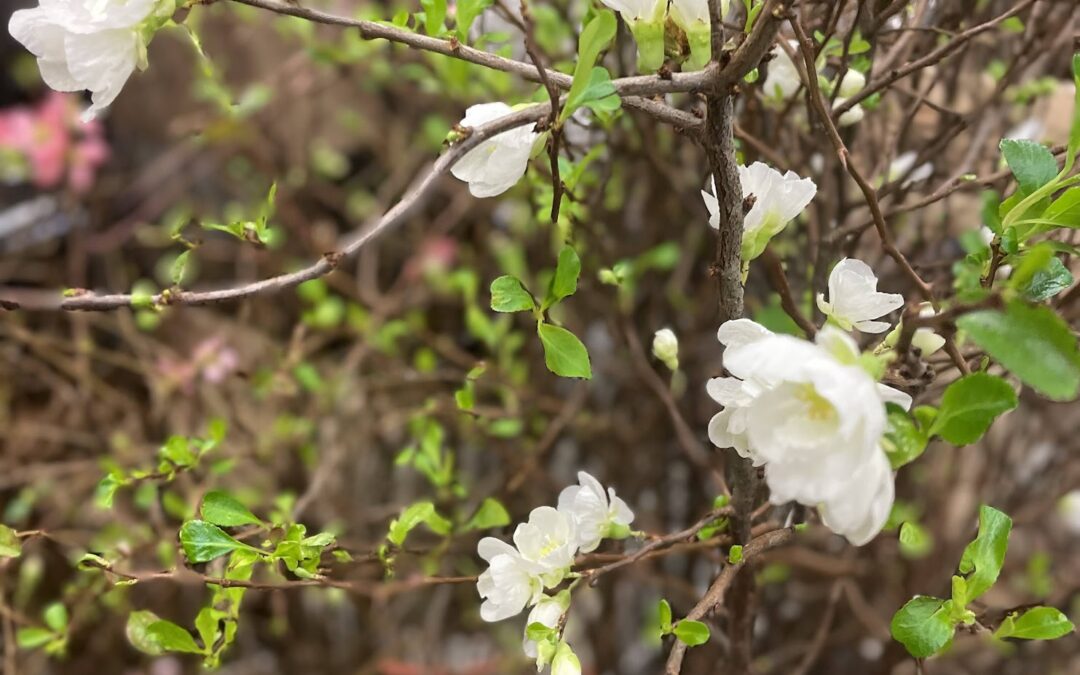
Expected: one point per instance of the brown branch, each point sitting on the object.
(774, 270)
(714, 597)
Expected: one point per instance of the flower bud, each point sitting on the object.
(665, 347)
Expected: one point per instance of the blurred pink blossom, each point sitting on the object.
(212, 360)
(54, 144)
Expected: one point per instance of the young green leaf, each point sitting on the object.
(1037, 623)
(414, 515)
(138, 632)
(203, 541)
(1053, 278)
(691, 633)
(970, 405)
(598, 93)
(594, 39)
(170, 637)
(466, 12)
(1033, 342)
(567, 271)
(179, 267)
(904, 441)
(508, 294)
(983, 557)
(1032, 163)
(33, 637)
(664, 612)
(434, 15)
(1065, 210)
(56, 617)
(10, 546)
(221, 509)
(922, 625)
(915, 541)
(564, 354)
(490, 514)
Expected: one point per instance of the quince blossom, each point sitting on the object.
(509, 584)
(854, 300)
(89, 44)
(494, 166)
(811, 414)
(548, 541)
(596, 514)
(778, 199)
(783, 79)
(547, 612)
(665, 346)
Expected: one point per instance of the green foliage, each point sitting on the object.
(466, 12)
(490, 514)
(691, 633)
(52, 638)
(219, 508)
(203, 541)
(1033, 342)
(1037, 623)
(664, 617)
(915, 541)
(983, 557)
(922, 625)
(413, 516)
(564, 353)
(904, 439)
(588, 85)
(10, 546)
(1031, 163)
(508, 294)
(256, 230)
(564, 282)
(735, 554)
(970, 405)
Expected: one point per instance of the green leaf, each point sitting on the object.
(922, 625)
(138, 632)
(691, 633)
(434, 15)
(490, 514)
(1065, 210)
(206, 623)
(170, 637)
(177, 451)
(10, 546)
(411, 517)
(56, 617)
(31, 638)
(1048, 281)
(594, 39)
(1032, 163)
(466, 12)
(983, 557)
(179, 267)
(1033, 342)
(970, 405)
(1037, 623)
(564, 354)
(664, 613)
(508, 294)
(567, 271)
(600, 91)
(915, 541)
(1074, 130)
(221, 509)
(904, 441)
(203, 541)
(538, 632)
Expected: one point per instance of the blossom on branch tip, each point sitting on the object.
(596, 514)
(498, 163)
(782, 80)
(89, 44)
(777, 200)
(548, 542)
(854, 301)
(665, 347)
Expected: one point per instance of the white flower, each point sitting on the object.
(89, 44)
(925, 339)
(778, 199)
(814, 417)
(852, 116)
(547, 612)
(494, 166)
(851, 84)
(903, 164)
(637, 10)
(665, 347)
(596, 514)
(783, 79)
(510, 582)
(854, 300)
(548, 541)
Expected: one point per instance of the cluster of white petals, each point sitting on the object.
(854, 301)
(92, 45)
(782, 80)
(541, 557)
(494, 166)
(814, 417)
(778, 199)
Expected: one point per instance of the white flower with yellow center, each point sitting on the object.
(497, 164)
(549, 542)
(854, 301)
(596, 514)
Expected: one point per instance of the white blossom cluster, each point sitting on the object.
(783, 82)
(540, 559)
